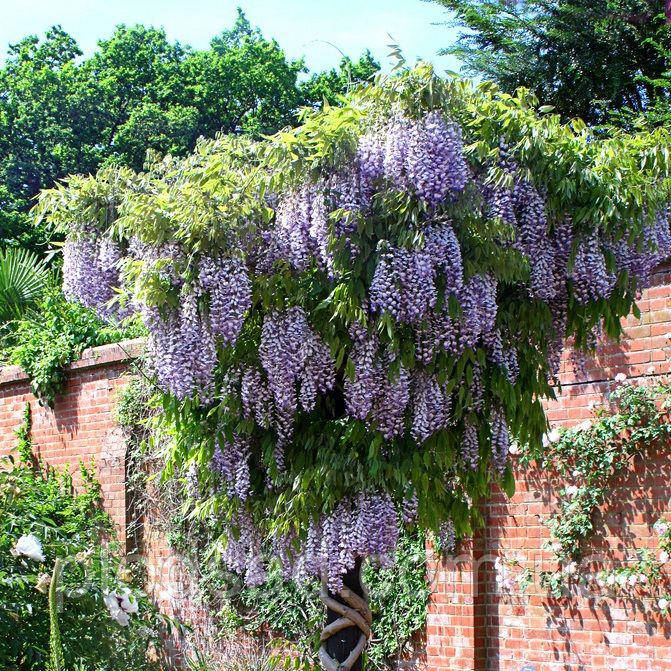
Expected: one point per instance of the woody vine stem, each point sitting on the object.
(348, 624)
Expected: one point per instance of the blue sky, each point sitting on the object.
(301, 26)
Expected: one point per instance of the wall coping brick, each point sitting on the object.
(92, 357)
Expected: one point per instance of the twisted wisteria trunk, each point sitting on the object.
(348, 622)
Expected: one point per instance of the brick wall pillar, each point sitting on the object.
(455, 619)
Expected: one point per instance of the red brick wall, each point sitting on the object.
(472, 624)
(81, 426)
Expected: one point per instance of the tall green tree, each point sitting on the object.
(587, 58)
(44, 127)
(61, 114)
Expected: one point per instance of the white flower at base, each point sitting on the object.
(632, 580)
(571, 491)
(643, 579)
(663, 604)
(622, 580)
(664, 556)
(620, 377)
(121, 605)
(122, 617)
(28, 546)
(128, 601)
(551, 437)
(610, 580)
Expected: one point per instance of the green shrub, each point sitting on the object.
(45, 340)
(41, 503)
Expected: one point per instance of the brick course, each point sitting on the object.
(472, 625)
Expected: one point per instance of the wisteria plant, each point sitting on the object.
(349, 321)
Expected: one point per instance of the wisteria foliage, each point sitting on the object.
(351, 321)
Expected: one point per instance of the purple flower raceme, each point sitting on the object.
(230, 293)
(500, 441)
(361, 391)
(533, 238)
(476, 390)
(591, 279)
(499, 199)
(447, 537)
(231, 462)
(257, 400)
(403, 284)
(410, 508)
(639, 260)
(562, 242)
(435, 164)
(291, 352)
(388, 411)
(375, 395)
(511, 363)
(477, 299)
(181, 348)
(197, 349)
(366, 525)
(242, 553)
(438, 333)
(470, 447)
(431, 406)
(394, 161)
(559, 310)
(297, 221)
(91, 272)
(442, 247)
(493, 343)
(370, 163)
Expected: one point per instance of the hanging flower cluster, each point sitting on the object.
(366, 526)
(242, 552)
(291, 352)
(231, 462)
(91, 272)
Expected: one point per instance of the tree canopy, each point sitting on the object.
(62, 114)
(587, 58)
(351, 320)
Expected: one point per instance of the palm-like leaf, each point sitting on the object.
(23, 277)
